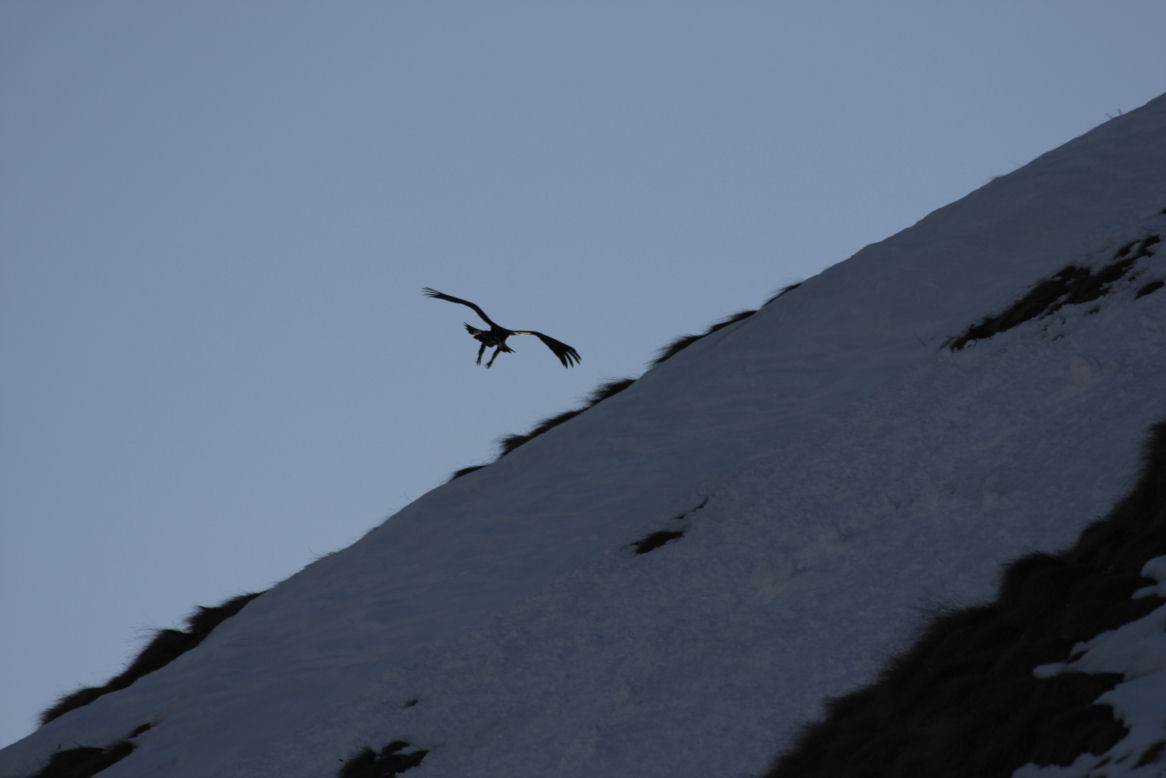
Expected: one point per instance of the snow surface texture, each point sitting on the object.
(839, 472)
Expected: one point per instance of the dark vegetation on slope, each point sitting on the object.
(511, 442)
(1152, 755)
(85, 761)
(684, 342)
(610, 389)
(784, 291)
(393, 759)
(654, 540)
(1149, 288)
(1072, 285)
(963, 701)
(166, 646)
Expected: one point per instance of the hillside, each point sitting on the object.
(808, 485)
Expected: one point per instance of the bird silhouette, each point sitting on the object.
(496, 336)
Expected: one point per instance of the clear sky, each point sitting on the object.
(216, 218)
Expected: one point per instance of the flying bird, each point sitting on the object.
(496, 336)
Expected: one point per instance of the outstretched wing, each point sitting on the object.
(441, 296)
(567, 355)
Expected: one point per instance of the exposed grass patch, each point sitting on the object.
(393, 759)
(1149, 288)
(736, 317)
(166, 646)
(84, 761)
(140, 730)
(656, 539)
(678, 345)
(609, 389)
(1072, 285)
(963, 701)
(511, 442)
(1154, 753)
(674, 348)
(785, 290)
(1038, 302)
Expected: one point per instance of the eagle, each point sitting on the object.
(496, 336)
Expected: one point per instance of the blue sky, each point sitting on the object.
(216, 219)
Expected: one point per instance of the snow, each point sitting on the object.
(837, 474)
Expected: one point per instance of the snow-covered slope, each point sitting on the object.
(834, 469)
